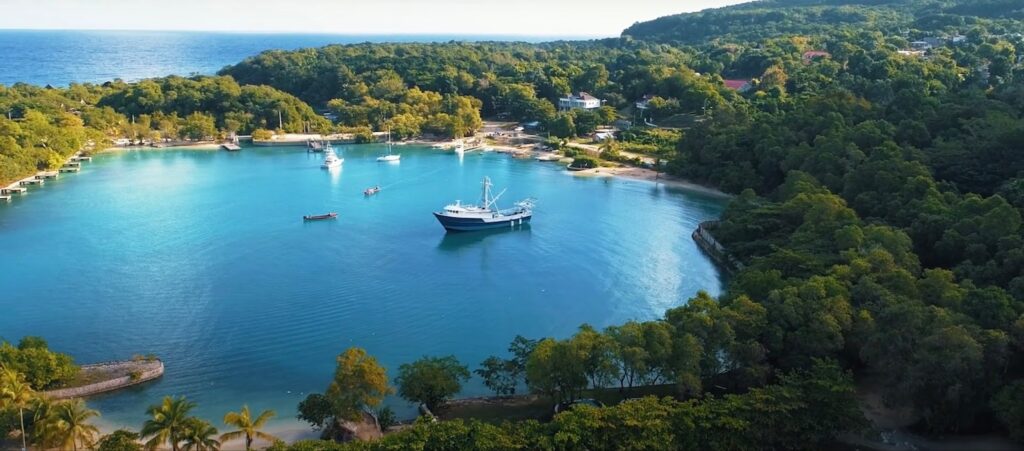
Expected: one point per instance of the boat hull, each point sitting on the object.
(471, 224)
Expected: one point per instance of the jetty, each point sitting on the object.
(5, 198)
(31, 181)
(48, 175)
(67, 169)
(231, 147)
(109, 376)
(14, 188)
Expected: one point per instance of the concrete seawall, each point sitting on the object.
(707, 242)
(114, 376)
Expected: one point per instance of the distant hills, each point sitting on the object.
(770, 18)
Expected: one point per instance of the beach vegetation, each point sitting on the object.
(73, 428)
(169, 423)
(119, 440)
(16, 394)
(41, 367)
(262, 134)
(584, 162)
(431, 380)
(247, 427)
(359, 383)
(200, 435)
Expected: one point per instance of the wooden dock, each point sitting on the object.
(231, 147)
(5, 198)
(79, 159)
(31, 181)
(13, 189)
(72, 164)
(49, 175)
(67, 169)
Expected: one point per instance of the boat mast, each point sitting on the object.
(487, 192)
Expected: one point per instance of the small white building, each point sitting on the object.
(581, 101)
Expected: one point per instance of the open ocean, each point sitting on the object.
(58, 58)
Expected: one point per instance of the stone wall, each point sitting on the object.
(118, 376)
(707, 242)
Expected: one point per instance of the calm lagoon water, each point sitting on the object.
(61, 57)
(202, 258)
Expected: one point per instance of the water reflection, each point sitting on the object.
(456, 241)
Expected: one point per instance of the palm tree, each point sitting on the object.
(16, 392)
(247, 427)
(73, 424)
(43, 424)
(168, 423)
(199, 436)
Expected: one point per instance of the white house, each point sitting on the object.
(581, 101)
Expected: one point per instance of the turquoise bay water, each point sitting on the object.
(202, 258)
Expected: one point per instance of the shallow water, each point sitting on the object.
(202, 258)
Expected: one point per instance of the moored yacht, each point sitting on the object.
(331, 160)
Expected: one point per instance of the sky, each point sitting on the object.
(583, 18)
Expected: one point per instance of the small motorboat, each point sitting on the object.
(371, 191)
(331, 215)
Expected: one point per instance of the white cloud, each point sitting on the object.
(446, 17)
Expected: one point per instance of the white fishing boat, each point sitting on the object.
(463, 218)
(331, 160)
(390, 156)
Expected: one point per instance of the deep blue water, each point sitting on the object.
(202, 258)
(60, 57)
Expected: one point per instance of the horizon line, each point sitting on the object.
(271, 32)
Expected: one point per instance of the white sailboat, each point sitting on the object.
(390, 156)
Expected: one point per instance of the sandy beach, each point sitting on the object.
(649, 175)
(198, 146)
(288, 430)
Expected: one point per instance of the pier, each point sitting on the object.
(111, 376)
(231, 147)
(72, 165)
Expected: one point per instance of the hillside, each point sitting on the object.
(771, 18)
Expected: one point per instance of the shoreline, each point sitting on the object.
(196, 146)
(287, 429)
(652, 176)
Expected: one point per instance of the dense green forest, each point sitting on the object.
(43, 126)
(772, 18)
(877, 223)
